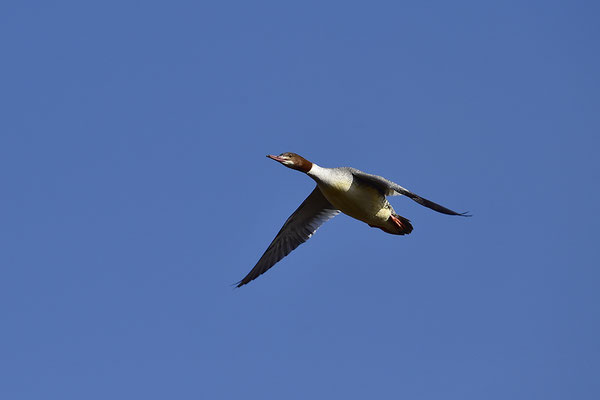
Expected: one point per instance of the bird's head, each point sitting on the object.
(293, 161)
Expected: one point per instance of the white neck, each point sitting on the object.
(314, 171)
(321, 174)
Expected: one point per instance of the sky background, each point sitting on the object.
(135, 192)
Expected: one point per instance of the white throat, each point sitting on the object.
(315, 171)
(327, 176)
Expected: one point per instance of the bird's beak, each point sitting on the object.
(276, 158)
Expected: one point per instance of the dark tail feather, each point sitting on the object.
(403, 224)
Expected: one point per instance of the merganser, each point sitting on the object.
(355, 193)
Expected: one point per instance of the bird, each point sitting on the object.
(343, 189)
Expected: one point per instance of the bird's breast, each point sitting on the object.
(362, 202)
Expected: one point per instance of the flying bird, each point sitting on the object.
(355, 193)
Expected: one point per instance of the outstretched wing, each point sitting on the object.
(299, 227)
(390, 188)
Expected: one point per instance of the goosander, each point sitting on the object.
(355, 193)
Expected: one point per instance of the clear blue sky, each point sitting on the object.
(135, 192)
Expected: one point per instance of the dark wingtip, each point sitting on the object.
(244, 281)
(465, 214)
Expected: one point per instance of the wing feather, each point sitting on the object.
(390, 188)
(299, 227)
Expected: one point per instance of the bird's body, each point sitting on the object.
(355, 193)
(357, 199)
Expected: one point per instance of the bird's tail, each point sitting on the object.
(399, 225)
(396, 225)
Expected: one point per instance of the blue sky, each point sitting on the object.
(135, 192)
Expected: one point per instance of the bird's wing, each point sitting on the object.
(390, 188)
(299, 227)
